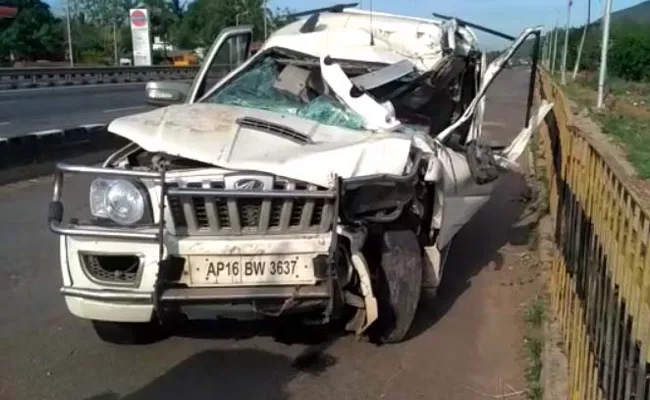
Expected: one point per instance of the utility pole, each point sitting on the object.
(566, 42)
(603, 53)
(582, 41)
(554, 53)
(543, 47)
(67, 13)
(547, 48)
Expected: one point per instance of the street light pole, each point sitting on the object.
(67, 13)
(603, 54)
(566, 42)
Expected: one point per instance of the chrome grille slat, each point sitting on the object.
(307, 213)
(328, 213)
(287, 207)
(210, 209)
(188, 213)
(233, 213)
(265, 216)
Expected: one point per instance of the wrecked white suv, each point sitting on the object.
(322, 178)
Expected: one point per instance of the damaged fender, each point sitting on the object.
(357, 239)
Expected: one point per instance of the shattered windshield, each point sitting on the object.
(286, 88)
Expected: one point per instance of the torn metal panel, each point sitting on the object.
(377, 116)
(491, 72)
(395, 38)
(509, 156)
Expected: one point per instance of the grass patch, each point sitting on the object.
(634, 135)
(534, 346)
(626, 119)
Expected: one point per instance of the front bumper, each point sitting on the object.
(132, 306)
(158, 288)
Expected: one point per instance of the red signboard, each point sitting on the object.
(138, 19)
(8, 12)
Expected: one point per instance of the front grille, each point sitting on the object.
(192, 215)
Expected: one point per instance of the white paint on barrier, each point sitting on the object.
(124, 109)
(47, 132)
(91, 126)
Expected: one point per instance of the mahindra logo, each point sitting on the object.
(249, 184)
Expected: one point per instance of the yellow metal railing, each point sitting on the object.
(600, 279)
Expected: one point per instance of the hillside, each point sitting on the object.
(639, 13)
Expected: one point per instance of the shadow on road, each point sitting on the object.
(230, 374)
(227, 374)
(476, 246)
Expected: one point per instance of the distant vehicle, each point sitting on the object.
(323, 177)
(185, 58)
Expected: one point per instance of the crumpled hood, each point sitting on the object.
(213, 134)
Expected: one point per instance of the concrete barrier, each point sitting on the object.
(35, 154)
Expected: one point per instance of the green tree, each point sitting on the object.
(629, 56)
(34, 33)
(204, 19)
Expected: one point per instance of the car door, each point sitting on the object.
(464, 192)
(229, 50)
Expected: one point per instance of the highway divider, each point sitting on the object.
(35, 154)
(28, 78)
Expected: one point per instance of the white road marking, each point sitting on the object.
(8, 101)
(5, 123)
(72, 87)
(124, 109)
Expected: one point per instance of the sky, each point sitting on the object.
(509, 16)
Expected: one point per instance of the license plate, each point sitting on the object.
(251, 270)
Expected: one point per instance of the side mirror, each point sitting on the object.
(166, 93)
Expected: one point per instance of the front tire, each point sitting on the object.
(128, 333)
(398, 285)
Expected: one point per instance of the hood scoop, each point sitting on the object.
(274, 129)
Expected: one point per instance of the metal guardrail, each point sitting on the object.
(35, 77)
(600, 277)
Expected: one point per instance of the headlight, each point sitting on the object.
(119, 199)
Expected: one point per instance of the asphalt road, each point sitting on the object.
(465, 345)
(33, 110)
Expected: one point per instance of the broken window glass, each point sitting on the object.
(256, 88)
